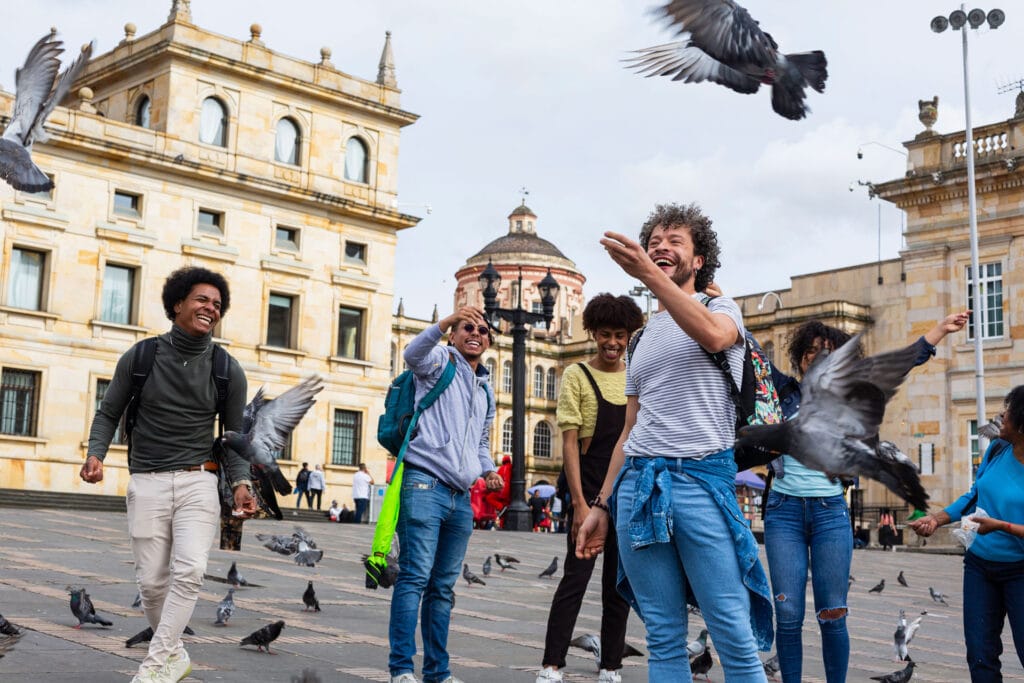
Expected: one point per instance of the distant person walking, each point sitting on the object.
(361, 482)
(301, 484)
(315, 486)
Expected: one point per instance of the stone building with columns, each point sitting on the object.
(185, 147)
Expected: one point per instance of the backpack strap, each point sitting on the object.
(222, 380)
(633, 341)
(722, 361)
(442, 383)
(141, 365)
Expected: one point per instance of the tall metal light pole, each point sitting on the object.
(517, 518)
(957, 20)
(642, 290)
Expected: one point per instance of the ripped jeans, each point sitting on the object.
(809, 531)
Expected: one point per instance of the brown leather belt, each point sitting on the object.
(208, 466)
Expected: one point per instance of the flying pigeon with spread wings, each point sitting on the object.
(721, 43)
(38, 89)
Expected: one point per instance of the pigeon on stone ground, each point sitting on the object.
(263, 637)
(7, 643)
(306, 556)
(592, 644)
(551, 569)
(307, 676)
(721, 43)
(234, 578)
(695, 648)
(487, 566)
(771, 666)
(137, 603)
(702, 663)
(146, 635)
(7, 628)
(309, 599)
(836, 430)
(225, 608)
(470, 577)
(505, 562)
(82, 608)
(901, 676)
(38, 89)
(266, 425)
(902, 580)
(879, 587)
(937, 596)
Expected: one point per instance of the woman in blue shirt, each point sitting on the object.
(807, 522)
(994, 564)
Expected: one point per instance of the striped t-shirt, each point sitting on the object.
(685, 407)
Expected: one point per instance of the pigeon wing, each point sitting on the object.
(275, 421)
(685, 62)
(18, 169)
(60, 91)
(33, 83)
(724, 30)
(254, 406)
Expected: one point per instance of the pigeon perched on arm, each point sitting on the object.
(551, 569)
(82, 608)
(38, 90)
(263, 637)
(470, 577)
(901, 676)
(721, 43)
(266, 425)
(309, 599)
(937, 596)
(842, 407)
(225, 608)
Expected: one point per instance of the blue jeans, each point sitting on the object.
(702, 548)
(434, 526)
(362, 505)
(795, 528)
(992, 592)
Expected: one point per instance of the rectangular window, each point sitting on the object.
(101, 390)
(926, 458)
(972, 438)
(118, 294)
(286, 452)
(355, 253)
(988, 309)
(350, 333)
(286, 238)
(19, 402)
(345, 448)
(25, 280)
(280, 317)
(127, 204)
(210, 222)
(538, 308)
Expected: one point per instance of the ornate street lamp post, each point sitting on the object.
(517, 518)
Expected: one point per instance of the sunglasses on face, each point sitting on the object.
(470, 328)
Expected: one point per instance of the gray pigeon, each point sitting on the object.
(146, 635)
(505, 561)
(470, 577)
(38, 89)
(702, 663)
(695, 648)
(771, 666)
(309, 599)
(137, 603)
(266, 425)
(225, 608)
(7, 628)
(990, 430)
(307, 557)
(551, 569)
(879, 587)
(592, 644)
(937, 596)
(901, 676)
(82, 608)
(903, 635)
(902, 580)
(263, 637)
(234, 578)
(487, 566)
(836, 430)
(721, 43)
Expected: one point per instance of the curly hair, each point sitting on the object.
(1014, 403)
(705, 240)
(180, 283)
(613, 312)
(801, 340)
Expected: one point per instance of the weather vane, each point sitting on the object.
(523, 191)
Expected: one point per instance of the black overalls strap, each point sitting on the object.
(610, 421)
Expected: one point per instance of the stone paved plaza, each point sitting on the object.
(497, 631)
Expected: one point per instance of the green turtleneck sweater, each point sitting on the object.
(177, 408)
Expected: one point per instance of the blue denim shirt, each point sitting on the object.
(651, 522)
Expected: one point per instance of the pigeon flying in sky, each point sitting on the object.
(937, 596)
(550, 571)
(81, 607)
(38, 89)
(505, 562)
(721, 43)
(225, 608)
(901, 676)
(879, 587)
(263, 637)
(266, 425)
(836, 430)
(470, 577)
(309, 599)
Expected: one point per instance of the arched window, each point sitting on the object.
(538, 382)
(213, 123)
(506, 436)
(286, 145)
(492, 370)
(551, 384)
(542, 440)
(506, 377)
(142, 112)
(356, 157)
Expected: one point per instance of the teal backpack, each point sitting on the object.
(400, 407)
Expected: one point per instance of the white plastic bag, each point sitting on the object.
(968, 530)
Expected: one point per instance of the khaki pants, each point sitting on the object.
(172, 521)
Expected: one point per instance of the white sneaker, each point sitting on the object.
(178, 666)
(452, 679)
(548, 675)
(404, 678)
(607, 676)
(150, 676)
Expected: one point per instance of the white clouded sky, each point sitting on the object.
(532, 93)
